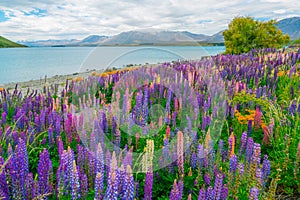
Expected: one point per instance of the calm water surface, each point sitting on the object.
(23, 64)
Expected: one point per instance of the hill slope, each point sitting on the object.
(5, 43)
(290, 26)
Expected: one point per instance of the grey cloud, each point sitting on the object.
(77, 18)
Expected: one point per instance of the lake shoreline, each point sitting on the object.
(39, 84)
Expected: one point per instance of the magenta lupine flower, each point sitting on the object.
(180, 151)
(253, 195)
(44, 173)
(148, 185)
(128, 185)
(74, 182)
(257, 119)
(174, 192)
(218, 186)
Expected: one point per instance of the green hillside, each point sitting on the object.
(5, 43)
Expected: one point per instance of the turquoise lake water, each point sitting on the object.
(24, 64)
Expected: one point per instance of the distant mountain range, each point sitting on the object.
(290, 26)
(5, 43)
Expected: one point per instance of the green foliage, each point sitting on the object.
(5, 43)
(297, 41)
(245, 34)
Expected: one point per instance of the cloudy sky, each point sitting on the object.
(56, 19)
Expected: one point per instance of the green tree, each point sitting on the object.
(245, 33)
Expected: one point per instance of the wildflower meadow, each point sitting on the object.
(223, 127)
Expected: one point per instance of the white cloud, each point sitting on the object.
(79, 18)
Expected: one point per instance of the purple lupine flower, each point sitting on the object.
(84, 186)
(44, 173)
(233, 164)
(122, 178)
(57, 124)
(99, 160)
(29, 186)
(50, 136)
(240, 169)
(218, 186)
(107, 161)
(80, 158)
(74, 182)
(256, 153)
(137, 186)
(129, 185)
(148, 184)
(194, 160)
(207, 178)
(243, 143)
(200, 155)
(3, 117)
(21, 149)
(220, 147)
(112, 187)
(174, 192)
(180, 186)
(265, 169)
(258, 175)
(60, 145)
(61, 174)
(202, 192)
(224, 193)
(249, 149)
(253, 195)
(249, 130)
(3, 181)
(21, 169)
(99, 186)
(210, 193)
